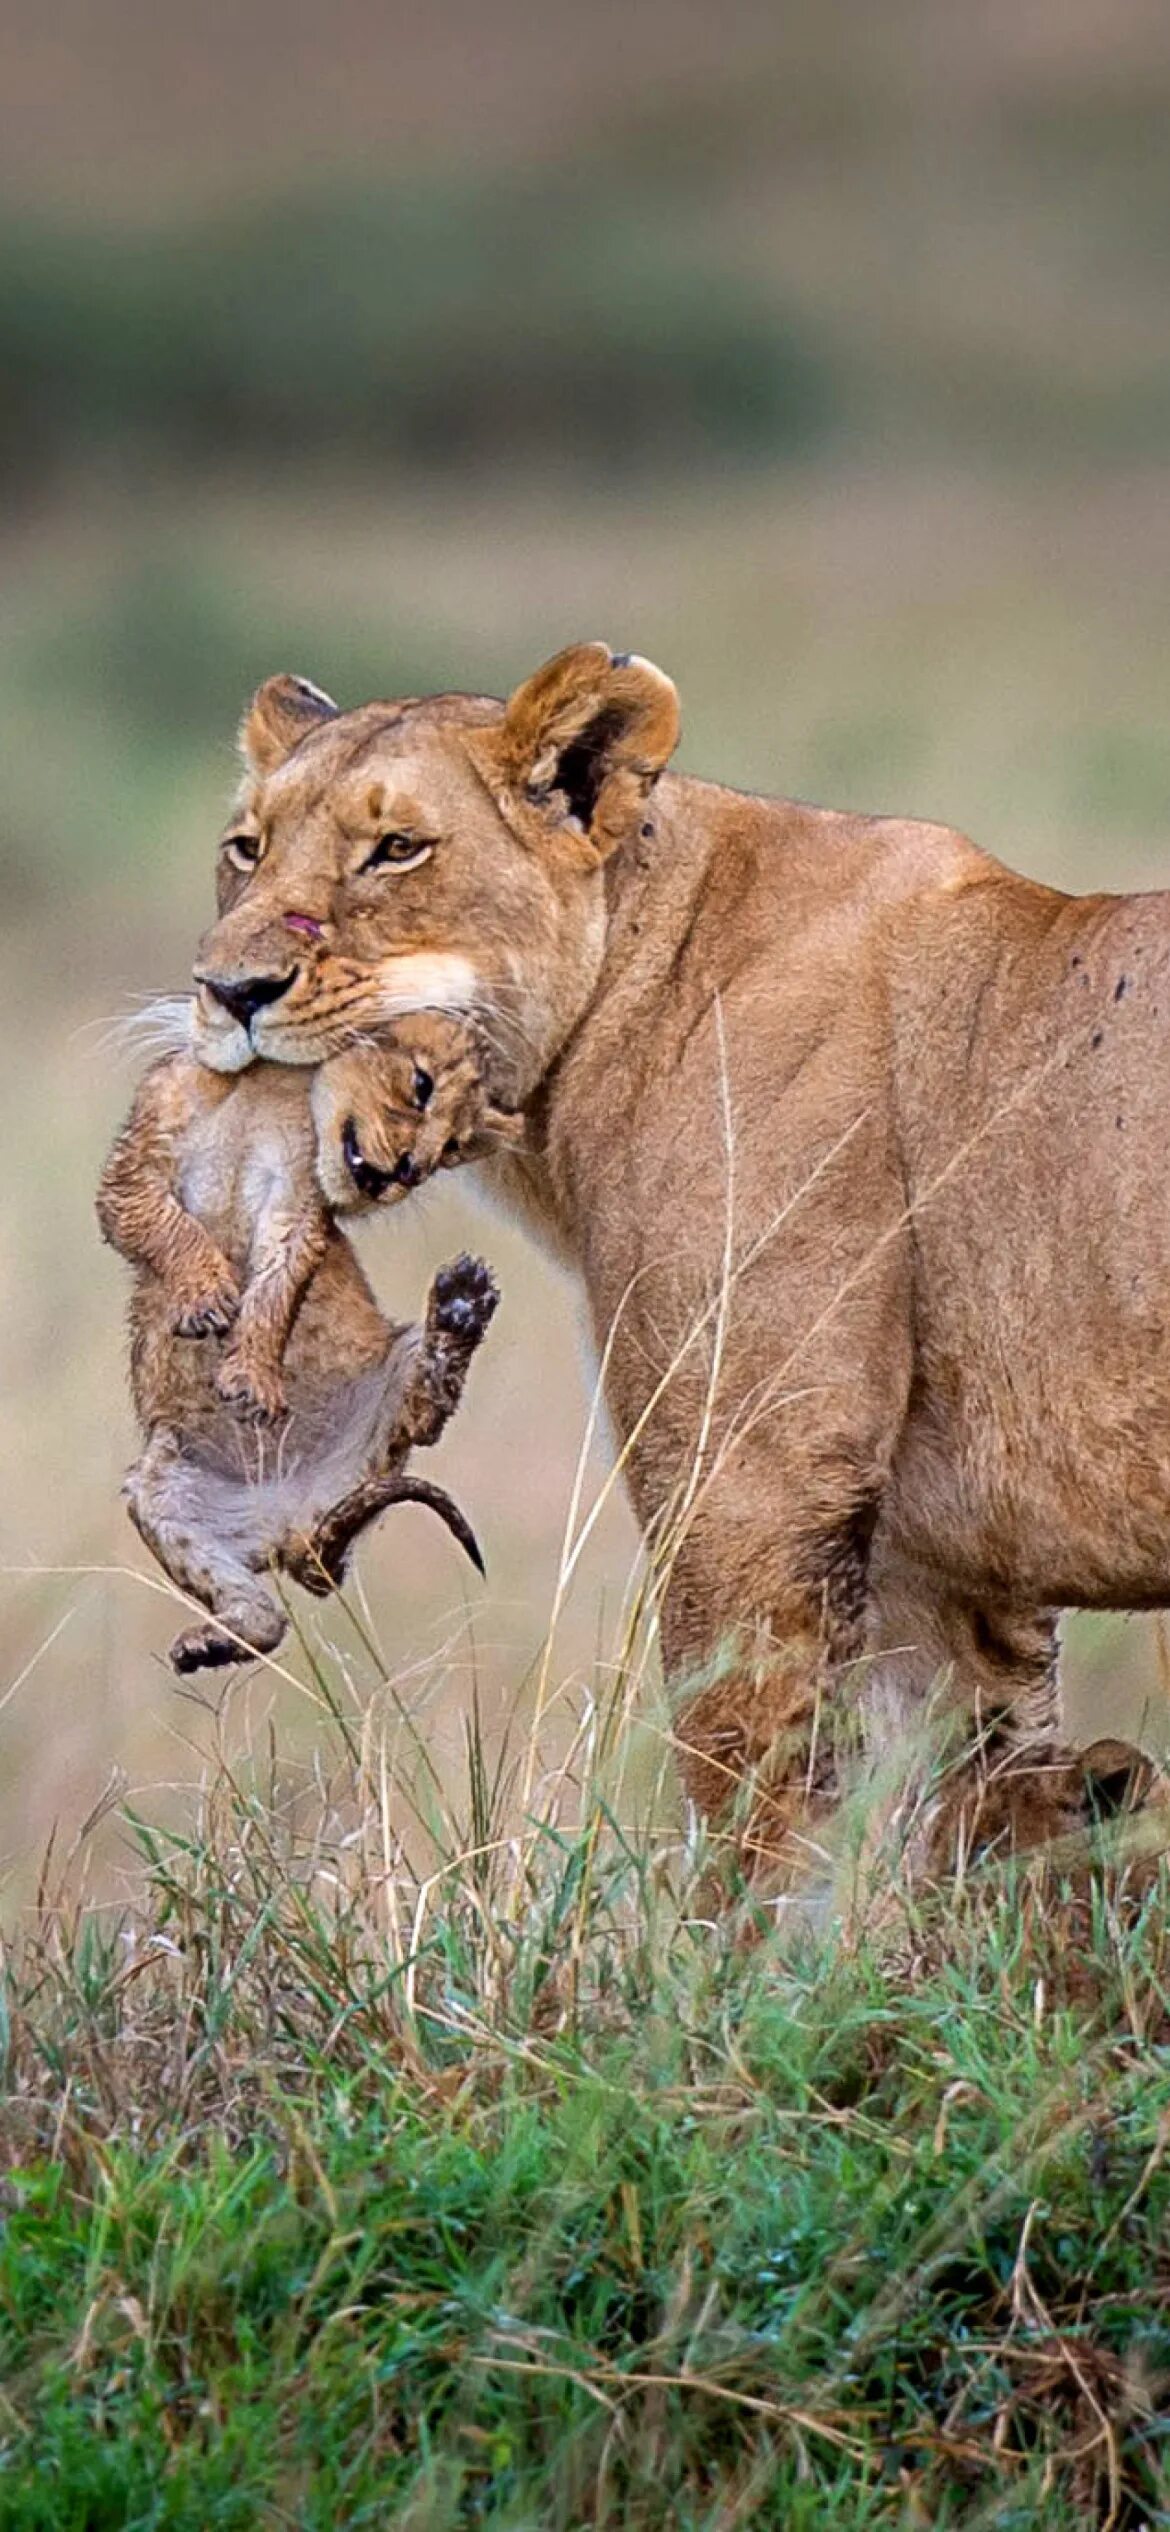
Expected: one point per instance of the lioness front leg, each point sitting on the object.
(759, 1635)
(288, 1255)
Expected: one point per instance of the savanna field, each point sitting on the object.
(406, 2118)
(526, 2191)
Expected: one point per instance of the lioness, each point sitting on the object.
(223, 1193)
(855, 1137)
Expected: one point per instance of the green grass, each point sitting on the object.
(527, 2191)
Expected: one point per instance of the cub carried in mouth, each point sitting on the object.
(272, 1440)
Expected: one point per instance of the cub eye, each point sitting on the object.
(422, 1087)
(397, 852)
(243, 851)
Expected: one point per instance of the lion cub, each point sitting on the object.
(222, 1190)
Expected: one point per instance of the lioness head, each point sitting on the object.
(443, 854)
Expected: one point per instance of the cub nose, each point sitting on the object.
(244, 996)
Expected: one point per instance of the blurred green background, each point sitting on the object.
(822, 353)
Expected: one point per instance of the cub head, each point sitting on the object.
(444, 854)
(386, 1117)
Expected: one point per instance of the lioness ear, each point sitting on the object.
(281, 713)
(597, 727)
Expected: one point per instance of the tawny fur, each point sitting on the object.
(278, 1406)
(856, 1139)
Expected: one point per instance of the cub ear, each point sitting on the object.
(596, 727)
(281, 713)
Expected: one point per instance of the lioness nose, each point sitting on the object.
(244, 996)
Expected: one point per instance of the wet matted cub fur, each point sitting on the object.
(278, 1407)
(855, 1136)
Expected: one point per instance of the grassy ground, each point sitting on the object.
(525, 2193)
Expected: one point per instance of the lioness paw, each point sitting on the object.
(463, 1300)
(253, 1391)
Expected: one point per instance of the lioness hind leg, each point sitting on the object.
(997, 1770)
(162, 1498)
(1024, 1779)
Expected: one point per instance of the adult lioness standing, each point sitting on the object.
(855, 1136)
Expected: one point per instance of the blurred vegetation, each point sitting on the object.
(443, 325)
(745, 278)
(177, 646)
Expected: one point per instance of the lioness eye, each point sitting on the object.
(396, 852)
(243, 850)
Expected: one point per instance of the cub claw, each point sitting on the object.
(212, 1314)
(255, 1397)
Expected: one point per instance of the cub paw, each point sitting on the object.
(253, 1628)
(253, 1393)
(209, 1312)
(463, 1300)
(205, 1648)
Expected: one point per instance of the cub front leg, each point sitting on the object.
(139, 1212)
(249, 1377)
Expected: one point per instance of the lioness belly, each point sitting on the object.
(1043, 1510)
(1036, 1456)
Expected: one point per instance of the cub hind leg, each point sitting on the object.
(427, 1371)
(177, 1511)
(429, 1366)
